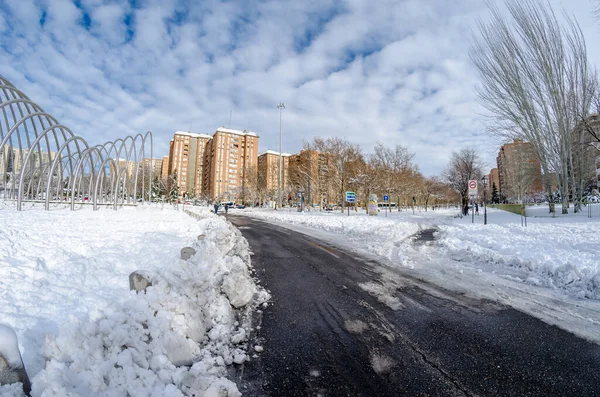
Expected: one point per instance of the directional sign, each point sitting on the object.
(350, 197)
(473, 187)
(386, 198)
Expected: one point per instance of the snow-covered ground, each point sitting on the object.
(64, 290)
(64, 285)
(549, 268)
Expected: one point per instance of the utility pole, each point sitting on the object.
(280, 106)
(309, 174)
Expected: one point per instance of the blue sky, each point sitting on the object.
(392, 71)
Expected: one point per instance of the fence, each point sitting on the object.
(589, 210)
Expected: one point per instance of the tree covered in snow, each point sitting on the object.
(173, 187)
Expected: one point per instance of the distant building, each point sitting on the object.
(11, 159)
(230, 164)
(156, 165)
(186, 158)
(164, 172)
(494, 179)
(304, 174)
(519, 171)
(268, 173)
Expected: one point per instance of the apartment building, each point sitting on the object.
(494, 179)
(11, 158)
(268, 173)
(164, 171)
(186, 158)
(519, 170)
(305, 169)
(230, 164)
(156, 165)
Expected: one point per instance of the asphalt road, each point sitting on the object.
(325, 335)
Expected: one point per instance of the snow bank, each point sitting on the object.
(83, 333)
(380, 235)
(558, 253)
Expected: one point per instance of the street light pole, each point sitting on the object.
(483, 179)
(280, 106)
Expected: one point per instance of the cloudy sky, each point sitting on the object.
(391, 71)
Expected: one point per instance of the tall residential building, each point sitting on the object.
(230, 164)
(494, 179)
(11, 158)
(164, 172)
(156, 165)
(519, 170)
(268, 173)
(186, 158)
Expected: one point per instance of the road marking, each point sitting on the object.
(326, 249)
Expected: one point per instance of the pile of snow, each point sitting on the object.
(558, 253)
(83, 333)
(383, 236)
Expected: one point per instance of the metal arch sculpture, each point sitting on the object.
(43, 160)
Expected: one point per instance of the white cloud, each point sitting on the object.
(397, 72)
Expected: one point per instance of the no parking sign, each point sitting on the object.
(473, 187)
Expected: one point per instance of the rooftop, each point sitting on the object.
(193, 135)
(275, 153)
(223, 129)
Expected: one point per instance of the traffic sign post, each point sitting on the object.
(473, 196)
(386, 202)
(350, 198)
(473, 187)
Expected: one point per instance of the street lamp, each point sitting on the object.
(483, 180)
(281, 106)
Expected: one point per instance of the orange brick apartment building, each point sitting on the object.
(216, 167)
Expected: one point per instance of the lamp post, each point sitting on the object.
(280, 106)
(484, 179)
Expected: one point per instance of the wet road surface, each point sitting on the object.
(324, 335)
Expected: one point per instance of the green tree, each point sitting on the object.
(495, 197)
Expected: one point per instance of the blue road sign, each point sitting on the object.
(386, 198)
(350, 197)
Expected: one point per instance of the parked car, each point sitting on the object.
(240, 206)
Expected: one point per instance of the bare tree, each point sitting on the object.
(249, 192)
(341, 163)
(396, 170)
(536, 82)
(596, 9)
(464, 166)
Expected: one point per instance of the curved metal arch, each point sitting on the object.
(26, 161)
(139, 164)
(100, 177)
(128, 152)
(57, 158)
(27, 128)
(2, 78)
(88, 158)
(24, 119)
(79, 169)
(14, 89)
(119, 177)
